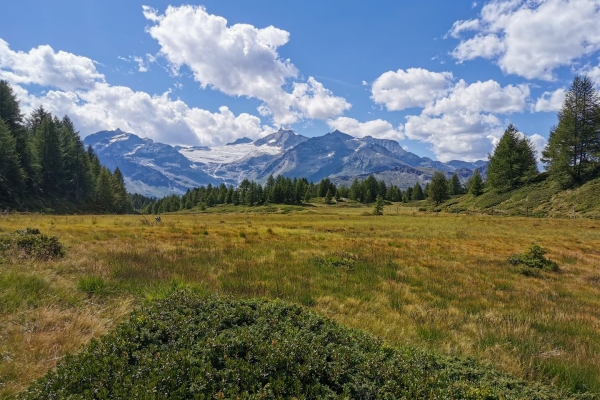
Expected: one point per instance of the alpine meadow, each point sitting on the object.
(282, 200)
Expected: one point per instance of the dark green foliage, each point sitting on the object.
(513, 162)
(454, 186)
(476, 184)
(44, 165)
(534, 258)
(572, 155)
(417, 193)
(189, 347)
(438, 188)
(12, 183)
(31, 243)
(378, 209)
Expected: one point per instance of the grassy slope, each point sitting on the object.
(541, 199)
(440, 282)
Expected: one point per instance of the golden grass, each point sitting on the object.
(436, 281)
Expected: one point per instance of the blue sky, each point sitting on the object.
(442, 78)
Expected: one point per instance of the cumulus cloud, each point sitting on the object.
(377, 128)
(415, 87)
(477, 97)
(464, 136)
(458, 119)
(531, 38)
(158, 117)
(80, 91)
(240, 60)
(43, 66)
(550, 101)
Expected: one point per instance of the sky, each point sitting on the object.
(443, 78)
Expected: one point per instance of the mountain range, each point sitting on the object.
(157, 169)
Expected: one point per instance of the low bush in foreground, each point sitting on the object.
(191, 347)
(31, 243)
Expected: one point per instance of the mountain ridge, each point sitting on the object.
(157, 169)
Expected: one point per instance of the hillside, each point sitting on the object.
(187, 346)
(543, 198)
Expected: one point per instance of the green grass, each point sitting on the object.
(437, 281)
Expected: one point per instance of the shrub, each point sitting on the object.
(186, 346)
(533, 258)
(31, 243)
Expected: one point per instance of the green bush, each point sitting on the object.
(533, 258)
(186, 346)
(31, 243)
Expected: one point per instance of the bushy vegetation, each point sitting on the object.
(31, 243)
(534, 258)
(187, 346)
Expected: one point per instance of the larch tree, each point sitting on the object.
(572, 154)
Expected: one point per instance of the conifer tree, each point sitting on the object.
(572, 154)
(454, 186)
(438, 188)
(513, 161)
(12, 184)
(475, 184)
(417, 193)
(49, 156)
(378, 209)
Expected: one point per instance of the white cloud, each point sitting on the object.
(93, 105)
(43, 66)
(240, 60)
(531, 38)
(478, 97)
(540, 143)
(415, 87)
(550, 101)
(458, 120)
(377, 128)
(463, 136)
(460, 26)
(158, 117)
(593, 73)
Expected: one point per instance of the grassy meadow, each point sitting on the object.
(436, 281)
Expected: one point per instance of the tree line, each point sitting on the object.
(44, 165)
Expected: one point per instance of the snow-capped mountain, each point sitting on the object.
(156, 169)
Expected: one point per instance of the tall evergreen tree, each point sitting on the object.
(120, 198)
(12, 184)
(475, 184)
(49, 156)
(438, 188)
(513, 161)
(454, 185)
(104, 191)
(572, 154)
(417, 193)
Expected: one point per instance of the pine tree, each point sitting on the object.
(438, 188)
(49, 156)
(121, 199)
(328, 196)
(378, 210)
(417, 193)
(12, 182)
(572, 154)
(104, 191)
(455, 187)
(475, 184)
(513, 161)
